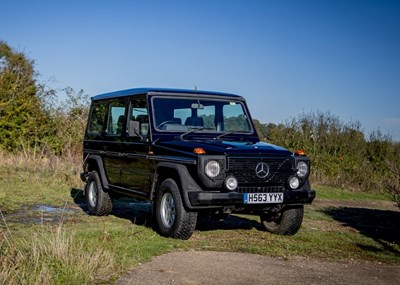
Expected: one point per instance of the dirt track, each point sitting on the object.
(184, 268)
(238, 268)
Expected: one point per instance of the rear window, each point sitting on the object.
(98, 114)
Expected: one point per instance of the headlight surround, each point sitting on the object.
(212, 168)
(302, 169)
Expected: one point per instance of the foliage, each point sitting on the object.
(262, 129)
(31, 119)
(392, 163)
(69, 122)
(22, 120)
(340, 154)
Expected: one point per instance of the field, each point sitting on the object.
(46, 237)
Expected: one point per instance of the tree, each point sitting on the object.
(21, 110)
(262, 129)
(69, 122)
(393, 164)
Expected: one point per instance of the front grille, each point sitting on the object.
(244, 169)
(260, 189)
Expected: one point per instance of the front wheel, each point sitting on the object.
(98, 201)
(287, 222)
(172, 219)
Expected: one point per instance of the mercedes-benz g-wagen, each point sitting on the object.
(190, 152)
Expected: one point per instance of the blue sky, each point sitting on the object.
(285, 57)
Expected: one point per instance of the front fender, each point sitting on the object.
(95, 162)
(187, 183)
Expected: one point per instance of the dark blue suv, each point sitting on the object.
(190, 152)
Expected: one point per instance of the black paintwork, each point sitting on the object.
(134, 164)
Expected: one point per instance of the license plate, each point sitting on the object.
(263, 198)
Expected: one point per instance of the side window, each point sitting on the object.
(98, 114)
(138, 120)
(116, 118)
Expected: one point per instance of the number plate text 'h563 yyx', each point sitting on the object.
(262, 198)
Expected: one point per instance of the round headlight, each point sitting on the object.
(212, 169)
(302, 169)
(231, 183)
(294, 182)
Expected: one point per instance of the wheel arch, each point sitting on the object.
(181, 176)
(95, 163)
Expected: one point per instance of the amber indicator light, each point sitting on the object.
(300, 152)
(199, 150)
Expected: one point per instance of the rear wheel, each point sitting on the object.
(98, 201)
(287, 222)
(172, 219)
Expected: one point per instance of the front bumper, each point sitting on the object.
(205, 198)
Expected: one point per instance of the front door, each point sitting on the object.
(135, 165)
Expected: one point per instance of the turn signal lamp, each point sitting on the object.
(300, 152)
(199, 150)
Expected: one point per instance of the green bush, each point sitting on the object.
(341, 155)
(31, 120)
(22, 116)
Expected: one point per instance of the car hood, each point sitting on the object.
(226, 147)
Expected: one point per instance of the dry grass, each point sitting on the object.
(66, 168)
(52, 256)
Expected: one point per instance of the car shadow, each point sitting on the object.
(229, 222)
(140, 213)
(380, 225)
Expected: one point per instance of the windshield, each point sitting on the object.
(186, 114)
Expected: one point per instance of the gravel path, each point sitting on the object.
(237, 268)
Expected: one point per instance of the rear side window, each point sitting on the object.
(97, 117)
(116, 118)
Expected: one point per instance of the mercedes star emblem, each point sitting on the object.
(262, 170)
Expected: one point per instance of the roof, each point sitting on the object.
(137, 91)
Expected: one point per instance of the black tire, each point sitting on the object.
(172, 219)
(98, 201)
(287, 222)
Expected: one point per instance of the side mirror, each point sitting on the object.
(133, 129)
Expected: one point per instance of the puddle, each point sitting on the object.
(41, 214)
(52, 209)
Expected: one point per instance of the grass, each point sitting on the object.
(50, 256)
(331, 193)
(26, 181)
(87, 250)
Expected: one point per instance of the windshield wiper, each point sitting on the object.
(190, 132)
(230, 133)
